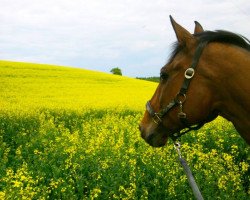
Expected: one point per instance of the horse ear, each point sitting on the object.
(198, 28)
(183, 36)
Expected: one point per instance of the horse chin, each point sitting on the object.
(156, 139)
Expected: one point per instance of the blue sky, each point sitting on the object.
(135, 36)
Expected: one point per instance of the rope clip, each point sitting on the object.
(177, 146)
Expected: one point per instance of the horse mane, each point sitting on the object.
(224, 37)
(214, 36)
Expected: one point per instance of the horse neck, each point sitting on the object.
(231, 73)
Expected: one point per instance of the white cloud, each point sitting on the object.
(97, 34)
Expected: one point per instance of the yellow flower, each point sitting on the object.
(244, 166)
(2, 195)
(17, 184)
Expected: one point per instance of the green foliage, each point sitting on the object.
(153, 79)
(116, 71)
(99, 155)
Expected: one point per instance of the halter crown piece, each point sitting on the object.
(179, 99)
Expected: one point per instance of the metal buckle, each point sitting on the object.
(157, 118)
(189, 73)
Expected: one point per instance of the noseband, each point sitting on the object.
(180, 99)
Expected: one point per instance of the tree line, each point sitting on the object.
(153, 78)
(118, 71)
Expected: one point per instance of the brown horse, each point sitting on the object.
(207, 75)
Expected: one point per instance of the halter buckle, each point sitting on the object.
(189, 73)
(156, 118)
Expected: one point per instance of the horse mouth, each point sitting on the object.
(155, 139)
(154, 143)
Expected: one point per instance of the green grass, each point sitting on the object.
(54, 146)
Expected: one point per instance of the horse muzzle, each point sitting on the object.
(155, 138)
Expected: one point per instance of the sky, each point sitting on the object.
(134, 35)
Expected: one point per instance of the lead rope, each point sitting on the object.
(188, 172)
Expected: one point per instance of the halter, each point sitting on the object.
(180, 99)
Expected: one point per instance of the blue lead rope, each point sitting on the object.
(188, 173)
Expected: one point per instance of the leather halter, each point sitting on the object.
(180, 99)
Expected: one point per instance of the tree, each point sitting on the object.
(116, 71)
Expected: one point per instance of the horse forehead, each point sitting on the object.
(176, 64)
(182, 58)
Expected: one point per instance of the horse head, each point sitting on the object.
(183, 97)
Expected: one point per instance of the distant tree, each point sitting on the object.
(116, 71)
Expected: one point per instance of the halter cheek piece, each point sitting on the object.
(180, 99)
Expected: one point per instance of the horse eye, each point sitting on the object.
(163, 76)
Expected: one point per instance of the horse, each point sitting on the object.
(207, 75)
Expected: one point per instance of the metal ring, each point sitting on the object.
(189, 73)
(177, 145)
(180, 98)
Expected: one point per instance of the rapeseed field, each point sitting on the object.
(69, 133)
